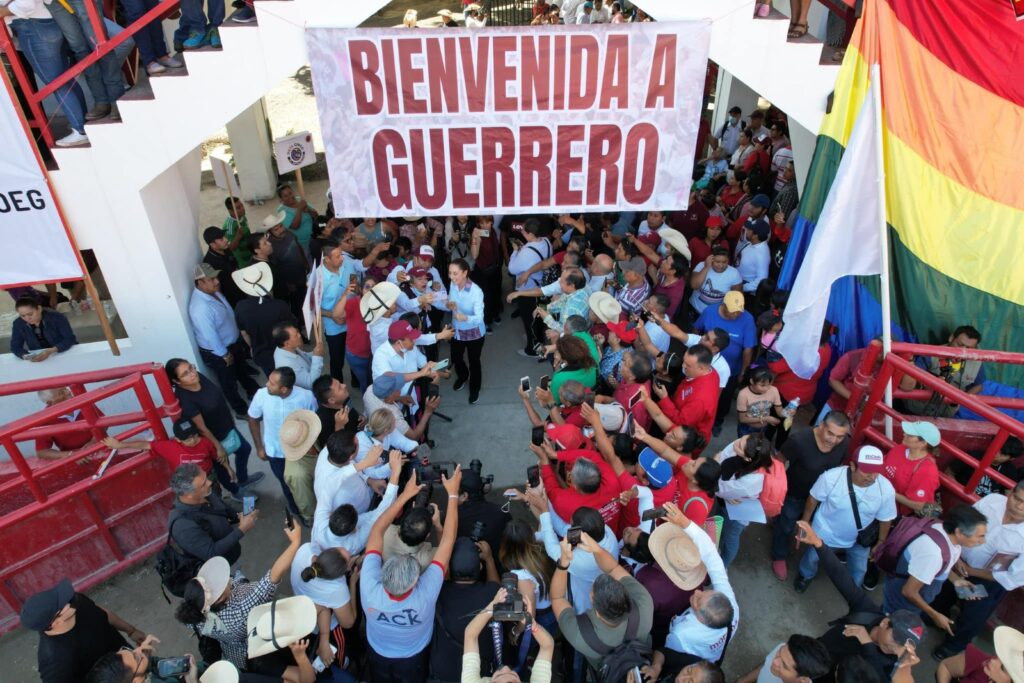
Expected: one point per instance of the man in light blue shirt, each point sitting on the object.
(220, 345)
(267, 412)
(339, 276)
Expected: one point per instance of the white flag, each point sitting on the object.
(846, 241)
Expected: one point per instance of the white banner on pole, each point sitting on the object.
(36, 247)
(311, 306)
(224, 175)
(510, 119)
(293, 152)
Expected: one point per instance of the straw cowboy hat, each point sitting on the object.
(220, 672)
(255, 280)
(444, 13)
(677, 555)
(410, 18)
(606, 309)
(277, 624)
(1010, 650)
(298, 432)
(273, 220)
(214, 576)
(378, 300)
(676, 240)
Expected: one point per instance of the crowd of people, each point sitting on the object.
(613, 562)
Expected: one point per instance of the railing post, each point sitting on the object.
(986, 460)
(23, 469)
(25, 83)
(96, 21)
(149, 408)
(884, 375)
(171, 406)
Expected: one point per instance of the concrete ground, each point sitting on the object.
(496, 431)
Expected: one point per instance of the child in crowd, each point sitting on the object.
(756, 403)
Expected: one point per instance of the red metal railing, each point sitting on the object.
(60, 519)
(105, 46)
(869, 389)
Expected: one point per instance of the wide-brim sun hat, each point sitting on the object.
(255, 280)
(678, 556)
(377, 301)
(606, 309)
(1009, 644)
(676, 240)
(273, 220)
(277, 624)
(220, 672)
(214, 576)
(298, 433)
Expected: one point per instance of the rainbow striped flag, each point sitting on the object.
(952, 89)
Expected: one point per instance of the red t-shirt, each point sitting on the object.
(694, 404)
(357, 341)
(565, 501)
(700, 250)
(759, 156)
(731, 196)
(974, 665)
(177, 453)
(791, 385)
(624, 392)
(918, 480)
(692, 221)
(68, 441)
(674, 292)
(574, 416)
(844, 370)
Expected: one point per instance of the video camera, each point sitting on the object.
(514, 607)
(488, 479)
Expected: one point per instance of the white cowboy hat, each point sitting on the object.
(676, 240)
(277, 624)
(606, 309)
(214, 576)
(220, 672)
(273, 220)
(255, 280)
(1010, 650)
(444, 13)
(378, 300)
(298, 432)
(678, 556)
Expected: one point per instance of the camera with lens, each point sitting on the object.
(488, 479)
(514, 607)
(477, 533)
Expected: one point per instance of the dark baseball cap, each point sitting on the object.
(39, 610)
(212, 234)
(907, 626)
(465, 562)
(185, 429)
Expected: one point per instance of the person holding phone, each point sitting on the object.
(139, 665)
(466, 302)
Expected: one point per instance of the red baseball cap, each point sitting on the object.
(402, 330)
(622, 331)
(714, 222)
(566, 436)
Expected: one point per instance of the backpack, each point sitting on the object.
(774, 491)
(617, 661)
(552, 273)
(175, 567)
(909, 529)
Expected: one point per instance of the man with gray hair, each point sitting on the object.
(398, 602)
(62, 445)
(201, 523)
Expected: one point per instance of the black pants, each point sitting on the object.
(336, 351)
(489, 280)
(725, 399)
(474, 349)
(405, 670)
(229, 377)
(973, 613)
(526, 306)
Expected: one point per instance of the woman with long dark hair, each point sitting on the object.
(466, 302)
(204, 404)
(744, 464)
(573, 360)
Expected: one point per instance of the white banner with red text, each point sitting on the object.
(36, 247)
(509, 119)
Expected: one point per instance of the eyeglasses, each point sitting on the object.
(190, 370)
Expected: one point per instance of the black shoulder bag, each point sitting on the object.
(867, 536)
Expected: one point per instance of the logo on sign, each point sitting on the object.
(296, 153)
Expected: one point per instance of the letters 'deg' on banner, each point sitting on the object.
(509, 119)
(36, 247)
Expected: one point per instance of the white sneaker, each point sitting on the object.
(171, 62)
(74, 139)
(154, 68)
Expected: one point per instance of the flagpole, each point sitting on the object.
(883, 228)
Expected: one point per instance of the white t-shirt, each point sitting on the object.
(718, 362)
(765, 675)
(538, 601)
(398, 627)
(330, 593)
(716, 284)
(1003, 549)
(834, 521)
(659, 337)
(273, 410)
(925, 558)
(753, 265)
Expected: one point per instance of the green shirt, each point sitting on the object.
(304, 232)
(591, 344)
(588, 377)
(231, 227)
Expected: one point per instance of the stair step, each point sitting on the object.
(228, 23)
(142, 90)
(805, 39)
(827, 52)
(773, 15)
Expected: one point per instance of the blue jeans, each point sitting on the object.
(277, 467)
(103, 77)
(194, 21)
(42, 43)
(150, 39)
(893, 594)
(785, 526)
(360, 369)
(729, 545)
(856, 563)
(242, 460)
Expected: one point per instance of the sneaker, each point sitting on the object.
(459, 383)
(763, 10)
(73, 139)
(801, 584)
(246, 15)
(528, 353)
(489, 330)
(497, 321)
(254, 478)
(780, 569)
(213, 36)
(171, 62)
(871, 578)
(195, 40)
(100, 111)
(179, 47)
(115, 115)
(154, 68)
(473, 399)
